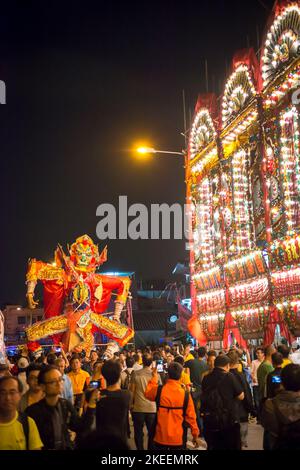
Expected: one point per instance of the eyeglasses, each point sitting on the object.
(56, 381)
(11, 393)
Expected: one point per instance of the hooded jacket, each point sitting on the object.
(281, 417)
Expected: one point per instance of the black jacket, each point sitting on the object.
(281, 418)
(245, 406)
(48, 418)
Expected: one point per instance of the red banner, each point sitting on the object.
(231, 326)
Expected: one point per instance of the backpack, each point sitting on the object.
(217, 416)
(127, 381)
(23, 419)
(289, 434)
(183, 408)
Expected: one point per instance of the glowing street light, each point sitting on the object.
(147, 150)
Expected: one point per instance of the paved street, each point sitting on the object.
(255, 438)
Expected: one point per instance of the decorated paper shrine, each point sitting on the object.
(244, 194)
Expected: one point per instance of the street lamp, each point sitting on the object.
(146, 150)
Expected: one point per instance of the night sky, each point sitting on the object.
(86, 81)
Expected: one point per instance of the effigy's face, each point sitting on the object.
(84, 256)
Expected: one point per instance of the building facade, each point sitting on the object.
(17, 319)
(243, 180)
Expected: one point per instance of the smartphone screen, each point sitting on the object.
(276, 379)
(159, 365)
(94, 384)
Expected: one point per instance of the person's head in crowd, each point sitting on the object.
(4, 370)
(51, 358)
(60, 363)
(290, 377)
(240, 352)
(179, 360)
(97, 367)
(11, 389)
(136, 358)
(41, 359)
(111, 371)
(211, 357)
(222, 362)
(175, 370)
(277, 360)
(170, 358)
(201, 352)
(75, 363)
(122, 358)
(260, 354)
(269, 350)
(194, 354)
(22, 364)
(234, 359)
(157, 356)
(284, 350)
(163, 354)
(94, 356)
(147, 360)
(129, 362)
(32, 375)
(51, 381)
(174, 352)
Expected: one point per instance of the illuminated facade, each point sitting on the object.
(244, 192)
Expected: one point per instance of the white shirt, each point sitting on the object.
(253, 369)
(295, 357)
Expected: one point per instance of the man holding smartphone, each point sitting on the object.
(274, 378)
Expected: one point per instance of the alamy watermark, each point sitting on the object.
(138, 222)
(296, 97)
(2, 92)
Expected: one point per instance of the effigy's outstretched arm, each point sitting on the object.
(32, 276)
(30, 295)
(38, 270)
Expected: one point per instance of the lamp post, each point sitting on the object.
(150, 150)
(145, 150)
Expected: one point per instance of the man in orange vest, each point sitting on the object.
(175, 409)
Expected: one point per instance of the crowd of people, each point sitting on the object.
(177, 394)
